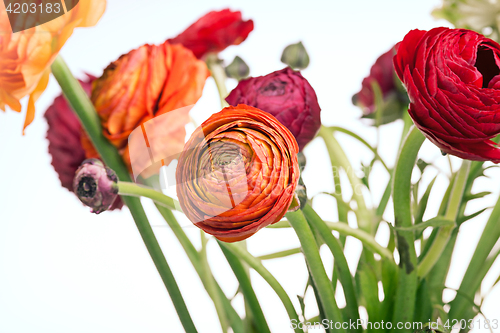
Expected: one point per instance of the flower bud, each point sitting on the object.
(238, 69)
(295, 56)
(96, 185)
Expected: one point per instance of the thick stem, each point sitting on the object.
(315, 264)
(341, 265)
(444, 233)
(193, 255)
(219, 75)
(472, 279)
(246, 287)
(338, 157)
(267, 276)
(404, 305)
(83, 107)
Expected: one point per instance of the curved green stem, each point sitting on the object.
(83, 107)
(344, 229)
(472, 280)
(341, 265)
(219, 75)
(338, 157)
(280, 254)
(136, 190)
(213, 290)
(407, 278)
(444, 233)
(363, 141)
(247, 290)
(266, 275)
(315, 264)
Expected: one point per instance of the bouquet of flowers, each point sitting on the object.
(128, 134)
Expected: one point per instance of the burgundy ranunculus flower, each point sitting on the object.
(288, 96)
(214, 32)
(452, 78)
(64, 133)
(395, 99)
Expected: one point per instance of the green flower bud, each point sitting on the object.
(238, 69)
(295, 56)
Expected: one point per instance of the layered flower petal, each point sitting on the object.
(214, 32)
(26, 56)
(143, 84)
(288, 96)
(238, 173)
(453, 81)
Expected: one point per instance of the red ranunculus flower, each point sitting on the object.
(214, 32)
(452, 78)
(238, 173)
(395, 98)
(288, 96)
(63, 134)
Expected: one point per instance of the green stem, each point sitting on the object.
(136, 190)
(247, 290)
(315, 264)
(404, 305)
(267, 276)
(83, 107)
(210, 285)
(219, 76)
(340, 262)
(280, 254)
(363, 141)
(444, 233)
(338, 157)
(472, 280)
(194, 256)
(344, 229)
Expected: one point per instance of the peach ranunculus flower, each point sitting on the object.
(145, 83)
(26, 56)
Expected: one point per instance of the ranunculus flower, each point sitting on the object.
(96, 185)
(288, 96)
(395, 99)
(26, 56)
(63, 134)
(238, 173)
(142, 84)
(452, 78)
(214, 32)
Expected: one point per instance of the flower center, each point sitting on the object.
(486, 65)
(274, 89)
(87, 187)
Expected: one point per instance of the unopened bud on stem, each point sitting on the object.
(95, 185)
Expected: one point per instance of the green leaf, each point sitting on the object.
(462, 219)
(422, 205)
(479, 195)
(438, 221)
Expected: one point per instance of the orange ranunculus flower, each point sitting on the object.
(238, 173)
(143, 84)
(26, 56)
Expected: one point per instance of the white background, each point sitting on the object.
(63, 269)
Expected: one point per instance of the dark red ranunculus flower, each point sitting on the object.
(214, 32)
(395, 98)
(452, 78)
(63, 134)
(288, 96)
